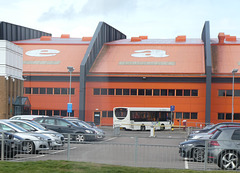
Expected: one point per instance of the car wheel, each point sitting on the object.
(229, 160)
(198, 154)
(29, 147)
(80, 138)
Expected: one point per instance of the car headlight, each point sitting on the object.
(53, 135)
(16, 139)
(40, 138)
(88, 131)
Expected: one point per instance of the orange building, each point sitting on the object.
(194, 75)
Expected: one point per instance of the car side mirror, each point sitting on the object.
(69, 125)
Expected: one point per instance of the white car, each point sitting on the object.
(57, 138)
(26, 117)
(35, 142)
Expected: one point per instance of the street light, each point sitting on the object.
(233, 72)
(70, 69)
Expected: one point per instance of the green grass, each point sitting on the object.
(82, 167)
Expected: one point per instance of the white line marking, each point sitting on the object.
(186, 163)
(111, 139)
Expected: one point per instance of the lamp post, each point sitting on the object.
(70, 69)
(233, 72)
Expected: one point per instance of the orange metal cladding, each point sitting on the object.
(53, 101)
(97, 103)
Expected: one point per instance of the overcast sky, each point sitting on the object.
(154, 18)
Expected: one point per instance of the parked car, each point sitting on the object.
(213, 126)
(224, 148)
(211, 131)
(32, 126)
(34, 142)
(9, 145)
(65, 127)
(26, 117)
(100, 134)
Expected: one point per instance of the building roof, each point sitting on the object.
(151, 56)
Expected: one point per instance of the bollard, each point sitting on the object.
(152, 132)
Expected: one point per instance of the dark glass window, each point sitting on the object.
(171, 92)
(96, 91)
(236, 135)
(236, 116)
(237, 93)
(194, 92)
(228, 116)
(56, 112)
(141, 92)
(49, 112)
(163, 92)
(186, 115)
(133, 91)
(186, 92)
(149, 92)
(110, 91)
(118, 91)
(104, 113)
(229, 93)
(42, 90)
(41, 112)
(27, 90)
(110, 113)
(179, 92)
(49, 90)
(56, 90)
(35, 112)
(156, 92)
(221, 116)
(178, 115)
(125, 91)
(194, 115)
(221, 93)
(64, 90)
(103, 91)
(35, 90)
(72, 91)
(72, 114)
(63, 113)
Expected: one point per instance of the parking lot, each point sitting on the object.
(129, 148)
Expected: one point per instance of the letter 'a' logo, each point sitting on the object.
(150, 53)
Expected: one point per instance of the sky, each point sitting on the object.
(157, 19)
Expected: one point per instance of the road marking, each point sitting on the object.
(111, 139)
(186, 163)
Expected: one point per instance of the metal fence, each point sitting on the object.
(138, 149)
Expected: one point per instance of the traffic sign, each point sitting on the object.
(69, 107)
(172, 108)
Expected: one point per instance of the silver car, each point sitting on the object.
(35, 142)
(56, 138)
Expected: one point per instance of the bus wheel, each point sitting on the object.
(162, 127)
(143, 128)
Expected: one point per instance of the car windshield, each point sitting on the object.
(17, 127)
(35, 124)
(85, 124)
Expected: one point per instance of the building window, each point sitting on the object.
(56, 112)
(237, 93)
(63, 113)
(179, 92)
(103, 91)
(163, 92)
(35, 90)
(134, 92)
(186, 115)
(49, 90)
(194, 115)
(221, 93)
(171, 92)
(178, 115)
(186, 92)
(229, 93)
(104, 113)
(236, 116)
(118, 91)
(125, 91)
(96, 91)
(49, 112)
(64, 91)
(27, 90)
(35, 112)
(194, 92)
(42, 90)
(228, 116)
(110, 113)
(110, 91)
(148, 92)
(141, 92)
(221, 116)
(156, 92)
(72, 91)
(72, 114)
(56, 90)
(41, 112)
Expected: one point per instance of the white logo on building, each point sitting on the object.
(42, 52)
(150, 53)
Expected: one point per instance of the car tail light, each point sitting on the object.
(214, 143)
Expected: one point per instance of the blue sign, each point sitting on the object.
(172, 108)
(69, 107)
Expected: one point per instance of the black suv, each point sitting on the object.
(65, 127)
